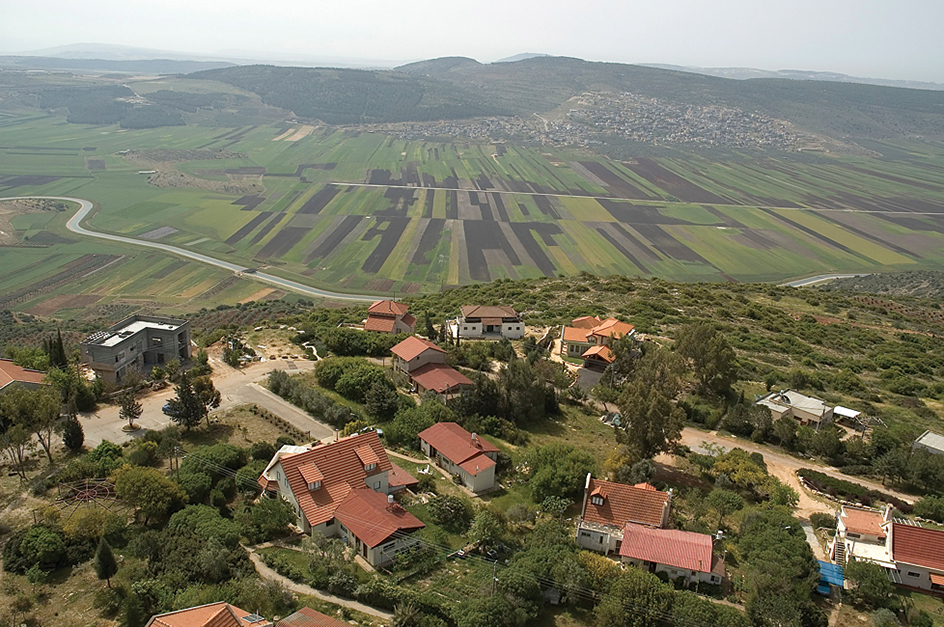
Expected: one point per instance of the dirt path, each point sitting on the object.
(267, 573)
(784, 467)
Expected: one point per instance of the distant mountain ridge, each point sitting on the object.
(521, 57)
(745, 73)
(137, 66)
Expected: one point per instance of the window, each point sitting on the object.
(853, 535)
(315, 485)
(911, 574)
(330, 523)
(584, 534)
(596, 500)
(376, 485)
(370, 467)
(157, 341)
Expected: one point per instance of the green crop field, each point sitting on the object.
(361, 211)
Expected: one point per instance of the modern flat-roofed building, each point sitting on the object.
(807, 410)
(931, 442)
(140, 342)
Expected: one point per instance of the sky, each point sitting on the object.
(893, 39)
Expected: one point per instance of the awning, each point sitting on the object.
(937, 580)
(846, 412)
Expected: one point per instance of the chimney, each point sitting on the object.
(475, 439)
(337, 435)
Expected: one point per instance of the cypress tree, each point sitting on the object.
(105, 564)
(73, 436)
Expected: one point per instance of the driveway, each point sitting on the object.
(237, 387)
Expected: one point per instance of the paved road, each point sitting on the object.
(85, 207)
(819, 279)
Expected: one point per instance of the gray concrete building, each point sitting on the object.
(140, 342)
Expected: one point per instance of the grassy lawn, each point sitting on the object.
(579, 428)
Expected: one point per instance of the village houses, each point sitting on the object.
(487, 321)
(468, 455)
(344, 489)
(389, 316)
(911, 555)
(630, 520)
(424, 364)
(590, 338)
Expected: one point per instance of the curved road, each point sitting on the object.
(819, 279)
(85, 207)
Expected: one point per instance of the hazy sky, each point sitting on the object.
(899, 39)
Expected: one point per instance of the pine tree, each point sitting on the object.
(105, 564)
(134, 614)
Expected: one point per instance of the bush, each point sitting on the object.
(822, 521)
(263, 451)
(850, 491)
(452, 512)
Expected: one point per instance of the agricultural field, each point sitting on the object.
(358, 211)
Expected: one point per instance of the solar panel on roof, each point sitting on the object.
(253, 618)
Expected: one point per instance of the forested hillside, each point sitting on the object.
(356, 96)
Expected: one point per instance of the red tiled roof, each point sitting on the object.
(670, 547)
(455, 443)
(439, 378)
(488, 311)
(611, 327)
(397, 477)
(918, 545)
(863, 521)
(379, 324)
(574, 334)
(624, 504)
(413, 347)
(600, 352)
(310, 473)
(268, 484)
(372, 519)
(409, 320)
(388, 307)
(366, 455)
(477, 464)
(212, 615)
(11, 373)
(586, 322)
(646, 486)
(342, 470)
(307, 617)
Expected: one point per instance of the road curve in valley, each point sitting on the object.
(74, 225)
(820, 279)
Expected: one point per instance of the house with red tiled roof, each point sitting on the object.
(487, 321)
(326, 485)
(678, 554)
(425, 364)
(211, 615)
(468, 455)
(911, 555)
(608, 507)
(414, 353)
(12, 374)
(307, 617)
(389, 316)
(591, 343)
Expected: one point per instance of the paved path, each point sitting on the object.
(254, 393)
(267, 573)
(74, 225)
